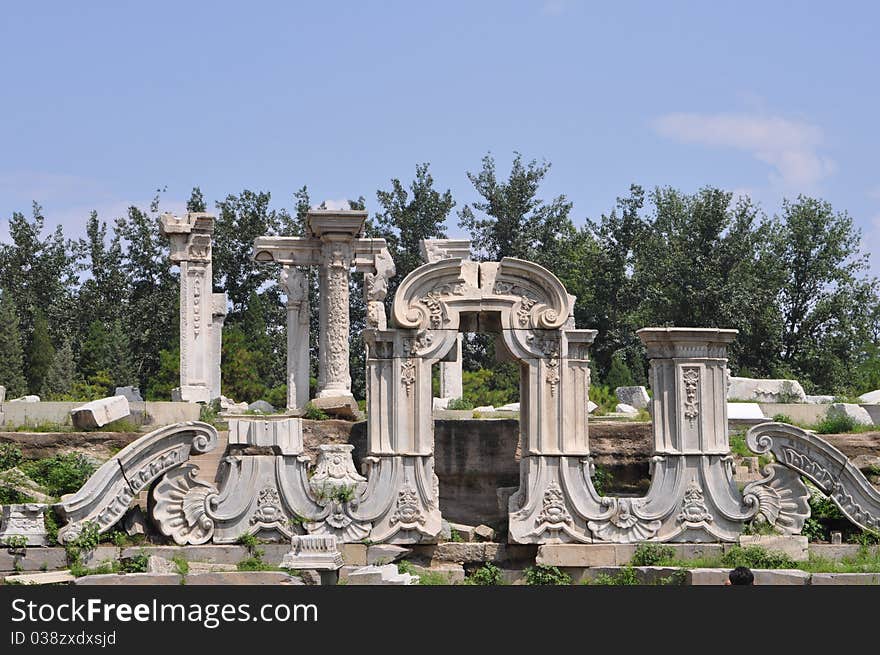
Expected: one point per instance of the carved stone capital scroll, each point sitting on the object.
(106, 496)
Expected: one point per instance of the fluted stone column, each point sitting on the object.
(200, 338)
(294, 283)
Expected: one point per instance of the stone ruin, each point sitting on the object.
(394, 499)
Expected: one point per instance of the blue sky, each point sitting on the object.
(103, 102)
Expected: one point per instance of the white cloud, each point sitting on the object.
(790, 147)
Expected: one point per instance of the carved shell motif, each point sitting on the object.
(181, 509)
(781, 498)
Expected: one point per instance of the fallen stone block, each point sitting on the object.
(591, 407)
(26, 399)
(100, 412)
(484, 533)
(795, 546)
(851, 411)
(624, 408)
(132, 394)
(385, 553)
(381, 575)
(634, 396)
(818, 400)
(871, 398)
(464, 532)
(49, 577)
(510, 407)
(262, 407)
(2, 394)
(765, 391)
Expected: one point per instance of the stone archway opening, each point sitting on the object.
(477, 450)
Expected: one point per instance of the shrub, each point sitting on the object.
(783, 418)
(652, 555)
(136, 564)
(625, 577)
(738, 445)
(276, 396)
(756, 557)
(486, 575)
(836, 424)
(602, 479)
(315, 413)
(460, 403)
(542, 575)
(604, 397)
(10, 456)
(60, 474)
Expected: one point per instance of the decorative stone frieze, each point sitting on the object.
(315, 552)
(24, 521)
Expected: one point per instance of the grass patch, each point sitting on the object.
(542, 575)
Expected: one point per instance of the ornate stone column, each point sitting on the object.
(190, 238)
(337, 231)
(294, 283)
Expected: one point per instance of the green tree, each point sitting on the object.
(153, 291)
(196, 202)
(61, 375)
(826, 298)
(702, 261)
(40, 353)
(407, 217)
(240, 365)
(96, 353)
(167, 377)
(619, 374)
(40, 273)
(11, 352)
(510, 220)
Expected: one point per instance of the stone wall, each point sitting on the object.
(150, 413)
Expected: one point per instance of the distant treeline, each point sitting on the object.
(79, 317)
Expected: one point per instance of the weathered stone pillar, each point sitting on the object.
(190, 238)
(294, 282)
(218, 318)
(337, 231)
(451, 374)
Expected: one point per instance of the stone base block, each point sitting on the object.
(354, 554)
(344, 407)
(51, 577)
(845, 579)
(762, 577)
(796, 546)
(191, 395)
(380, 575)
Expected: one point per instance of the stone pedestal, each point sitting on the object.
(200, 337)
